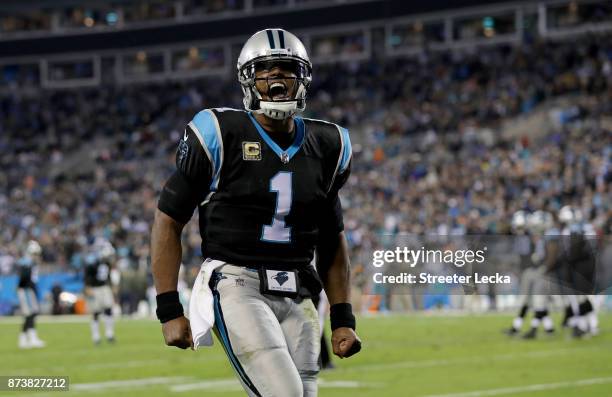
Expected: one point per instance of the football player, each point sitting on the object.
(534, 232)
(529, 273)
(579, 259)
(26, 292)
(543, 230)
(98, 291)
(266, 184)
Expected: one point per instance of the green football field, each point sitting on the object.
(411, 355)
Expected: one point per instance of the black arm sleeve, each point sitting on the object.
(332, 221)
(189, 184)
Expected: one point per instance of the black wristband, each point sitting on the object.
(168, 306)
(341, 315)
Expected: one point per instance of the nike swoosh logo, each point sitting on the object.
(185, 136)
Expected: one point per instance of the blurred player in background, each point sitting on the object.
(26, 292)
(536, 235)
(524, 247)
(98, 290)
(542, 229)
(578, 244)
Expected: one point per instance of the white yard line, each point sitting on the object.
(232, 384)
(528, 388)
(108, 386)
(107, 365)
(463, 360)
(128, 383)
(347, 384)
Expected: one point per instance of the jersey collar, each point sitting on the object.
(284, 155)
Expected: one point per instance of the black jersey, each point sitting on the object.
(261, 204)
(97, 274)
(27, 276)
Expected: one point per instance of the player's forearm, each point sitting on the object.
(166, 252)
(338, 275)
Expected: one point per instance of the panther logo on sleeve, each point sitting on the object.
(183, 151)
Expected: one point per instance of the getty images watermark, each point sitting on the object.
(410, 258)
(491, 264)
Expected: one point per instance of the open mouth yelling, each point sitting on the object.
(278, 92)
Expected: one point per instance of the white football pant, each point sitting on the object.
(272, 342)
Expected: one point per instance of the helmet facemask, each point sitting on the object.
(275, 86)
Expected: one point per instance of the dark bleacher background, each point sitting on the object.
(460, 114)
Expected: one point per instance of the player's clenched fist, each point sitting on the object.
(345, 342)
(178, 333)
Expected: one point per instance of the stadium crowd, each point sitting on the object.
(428, 153)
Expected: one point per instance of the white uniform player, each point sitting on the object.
(98, 292)
(542, 227)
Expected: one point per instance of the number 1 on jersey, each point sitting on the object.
(277, 232)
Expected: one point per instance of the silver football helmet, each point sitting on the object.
(570, 215)
(103, 249)
(519, 220)
(539, 222)
(33, 249)
(268, 47)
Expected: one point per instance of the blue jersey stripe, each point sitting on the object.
(295, 146)
(227, 346)
(346, 150)
(208, 129)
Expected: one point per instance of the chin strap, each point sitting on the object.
(277, 110)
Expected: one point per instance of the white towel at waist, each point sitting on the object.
(201, 312)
